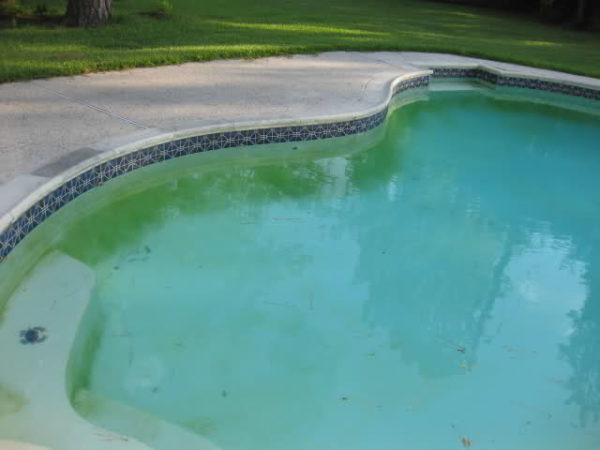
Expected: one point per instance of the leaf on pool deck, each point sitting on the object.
(466, 442)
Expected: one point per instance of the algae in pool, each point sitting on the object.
(435, 291)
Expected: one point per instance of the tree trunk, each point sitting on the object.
(580, 13)
(88, 13)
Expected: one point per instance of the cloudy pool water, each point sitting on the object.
(439, 289)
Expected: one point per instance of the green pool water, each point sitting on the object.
(435, 287)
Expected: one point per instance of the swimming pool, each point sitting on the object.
(434, 273)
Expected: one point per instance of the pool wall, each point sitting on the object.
(95, 171)
(493, 76)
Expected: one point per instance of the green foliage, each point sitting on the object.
(577, 12)
(41, 9)
(580, 13)
(10, 8)
(214, 29)
(164, 7)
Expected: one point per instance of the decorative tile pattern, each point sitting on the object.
(101, 173)
(411, 83)
(526, 83)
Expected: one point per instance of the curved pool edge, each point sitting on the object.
(39, 197)
(216, 136)
(35, 378)
(156, 138)
(38, 408)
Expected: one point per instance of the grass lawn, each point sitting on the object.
(211, 29)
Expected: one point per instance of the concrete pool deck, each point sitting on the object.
(50, 125)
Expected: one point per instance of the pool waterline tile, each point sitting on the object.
(103, 172)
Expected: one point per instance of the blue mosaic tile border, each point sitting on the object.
(98, 175)
(526, 83)
(104, 172)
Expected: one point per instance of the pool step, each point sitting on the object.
(36, 336)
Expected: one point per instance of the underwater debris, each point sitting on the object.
(33, 335)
